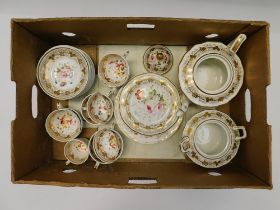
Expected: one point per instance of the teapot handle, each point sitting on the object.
(237, 42)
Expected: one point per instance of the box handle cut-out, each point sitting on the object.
(34, 101)
(211, 36)
(70, 34)
(68, 171)
(248, 108)
(142, 180)
(140, 26)
(214, 173)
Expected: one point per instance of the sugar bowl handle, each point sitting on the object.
(237, 42)
(244, 133)
(185, 140)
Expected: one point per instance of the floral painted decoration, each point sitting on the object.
(158, 59)
(149, 104)
(64, 125)
(108, 145)
(63, 75)
(113, 70)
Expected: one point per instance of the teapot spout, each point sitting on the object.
(237, 42)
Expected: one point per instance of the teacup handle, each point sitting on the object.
(67, 162)
(185, 140)
(109, 126)
(112, 92)
(96, 165)
(126, 54)
(59, 105)
(244, 133)
(182, 109)
(237, 42)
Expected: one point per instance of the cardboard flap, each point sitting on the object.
(115, 31)
(30, 144)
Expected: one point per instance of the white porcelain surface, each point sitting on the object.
(113, 70)
(108, 145)
(63, 72)
(84, 112)
(149, 104)
(99, 108)
(63, 124)
(158, 59)
(211, 138)
(105, 146)
(138, 137)
(212, 74)
(76, 151)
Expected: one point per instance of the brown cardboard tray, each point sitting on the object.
(36, 159)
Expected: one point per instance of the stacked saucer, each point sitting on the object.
(148, 108)
(65, 72)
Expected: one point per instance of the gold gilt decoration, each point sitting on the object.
(64, 85)
(189, 132)
(149, 104)
(113, 70)
(186, 74)
(138, 137)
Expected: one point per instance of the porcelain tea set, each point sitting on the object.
(147, 108)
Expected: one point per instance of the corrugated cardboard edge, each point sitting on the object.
(258, 23)
(268, 84)
(12, 123)
(135, 186)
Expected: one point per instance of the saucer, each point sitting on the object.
(211, 138)
(63, 72)
(193, 82)
(149, 104)
(138, 137)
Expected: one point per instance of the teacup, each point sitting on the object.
(105, 146)
(113, 70)
(158, 59)
(76, 151)
(97, 108)
(64, 124)
(211, 138)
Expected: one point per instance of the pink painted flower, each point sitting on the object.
(159, 105)
(149, 108)
(139, 94)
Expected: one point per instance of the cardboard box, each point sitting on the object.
(35, 157)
